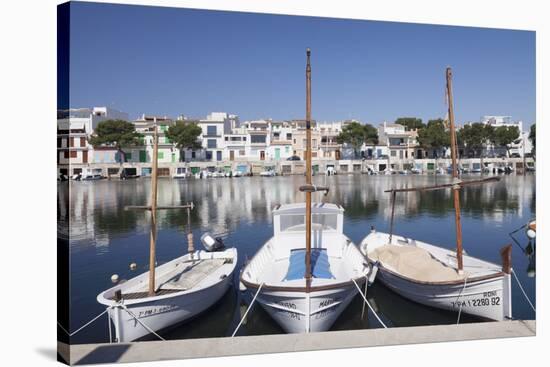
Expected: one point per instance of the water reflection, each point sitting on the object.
(105, 238)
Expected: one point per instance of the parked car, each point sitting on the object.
(293, 158)
(515, 155)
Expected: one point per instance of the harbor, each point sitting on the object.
(105, 239)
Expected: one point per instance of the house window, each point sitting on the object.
(208, 155)
(128, 157)
(393, 153)
(219, 155)
(288, 136)
(66, 154)
(211, 143)
(241, 152)
(193, 155)
(257, 139)
(227, 138)
(71, 142)
(82, 141)
(211, 130)
(161, 155)
(73, 153)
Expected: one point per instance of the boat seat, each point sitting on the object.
(414, 263)
(187, 275)
(319, 264)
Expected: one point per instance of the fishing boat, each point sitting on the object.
(436, 276)
(309, 271)
(173, 292)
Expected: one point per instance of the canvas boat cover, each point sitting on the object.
(319, 264)
(414, 263)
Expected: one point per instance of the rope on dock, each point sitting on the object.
(248, 309)
(140, 322)
(368, 304)
(524, 294)
(458, 298)
(83, 326)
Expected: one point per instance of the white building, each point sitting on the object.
(74, 128)
(519, 146)
(214, 128)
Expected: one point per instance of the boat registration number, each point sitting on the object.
(478, 302)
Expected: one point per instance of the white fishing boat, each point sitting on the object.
(428, 274)
(279, 268)
(435, 276)
(185, 287)
(309, 271)
(173, 292)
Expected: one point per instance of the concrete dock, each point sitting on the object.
(216, 347)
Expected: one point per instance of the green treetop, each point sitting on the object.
(116, 133)
(355, 134)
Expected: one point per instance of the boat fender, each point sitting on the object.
(373, 273)
(531, 234)
(114, 278)
(242, 287)
(133, 266)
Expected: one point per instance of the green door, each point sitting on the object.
(277, 153)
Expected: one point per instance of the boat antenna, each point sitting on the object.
(456, 181)
(153, 209)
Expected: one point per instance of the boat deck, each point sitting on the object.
(184, 276)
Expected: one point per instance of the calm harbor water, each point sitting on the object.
(104, 238)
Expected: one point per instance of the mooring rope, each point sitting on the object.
(141, 323)
(368, 304)
(248, 309)
(524, 294)
(83, 326)
(458, 298)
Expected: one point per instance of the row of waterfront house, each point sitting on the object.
(225, 139)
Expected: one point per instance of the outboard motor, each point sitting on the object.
(212, 244)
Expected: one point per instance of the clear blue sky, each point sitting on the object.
(171, 61)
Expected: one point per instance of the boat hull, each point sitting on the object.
(480, 298)
(163, 313)
(299, 312)
(134, 318)
(486, 295)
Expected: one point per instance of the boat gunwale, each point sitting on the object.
(359, 280)
(448, 282)
(251, 284)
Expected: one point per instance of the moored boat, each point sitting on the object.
(309, 271)
(435, 276)
(173, 292)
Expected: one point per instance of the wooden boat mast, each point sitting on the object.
(153, 233)
(308, 171)
(456, 187)
(153, 208)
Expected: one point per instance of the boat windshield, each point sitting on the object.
(296, 222)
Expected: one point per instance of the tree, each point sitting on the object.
(117, 133)
(411, 123)
(355, 134)
(504, 136)
(533, 137)
(185, 135)
(475, 136)
(434, 135)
